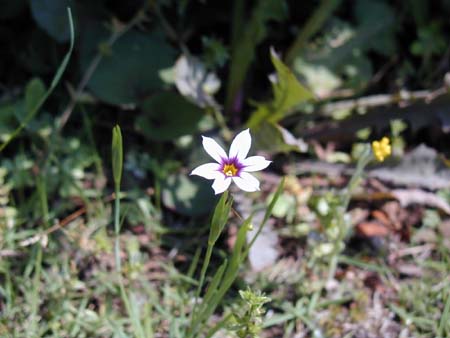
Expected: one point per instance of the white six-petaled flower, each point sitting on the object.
(234, 167)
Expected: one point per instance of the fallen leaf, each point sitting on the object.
(371, 229)
(407, 197)
(194, 82)
(381, 217)
(358, 215)
(424, 235)
(395, 213)
(410, 270)
(422, 167)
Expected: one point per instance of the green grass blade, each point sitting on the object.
(215, 282)
(62, 67)
(445, 318)
(228, 278)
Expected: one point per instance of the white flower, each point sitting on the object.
(234, 167)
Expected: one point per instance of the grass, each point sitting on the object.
(63, 285)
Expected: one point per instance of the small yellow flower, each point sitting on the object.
(381, 149)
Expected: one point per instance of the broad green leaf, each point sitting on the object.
(167, 116)
(288, 93)
(273, 138)
(346, 64)
(34, 92)
(8, 121)
(377, 17)
(187, 195)
(128, 71)
(319, 78)
(51, 16)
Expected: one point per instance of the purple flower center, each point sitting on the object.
(230, 167)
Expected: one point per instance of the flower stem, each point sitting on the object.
(202, 275)
(117, 231)
(365, 158)
(131, 313)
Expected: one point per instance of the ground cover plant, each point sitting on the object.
(193, 168)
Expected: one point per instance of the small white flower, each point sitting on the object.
(234, 167)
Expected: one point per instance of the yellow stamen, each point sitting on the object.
(381, 149)
(229, 170)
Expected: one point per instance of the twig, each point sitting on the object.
(9, 253)
(412, 251)
(36, 238)
(401, 97)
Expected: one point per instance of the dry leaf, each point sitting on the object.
(407, 197)
(371, 229)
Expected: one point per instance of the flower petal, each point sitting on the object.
(213, 149)
(221, 184)
(208, 171)
(246, 182)
(255, 163)
(240, 145)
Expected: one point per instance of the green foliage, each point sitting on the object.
(8, 121)
(429, 41)
(220, 217)
(129, 68)
(247, 320)
(376, 19)
(215, 52)
(51, 15)
(339, 58)
(35, 89)
(187, 195)
(222, 281)
(166, 116)
(246, 36)
(288, 93)
(34, 92)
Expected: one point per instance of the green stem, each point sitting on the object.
(202, 278)
(42, 193)
(445, 316)
(227, 134)
(158, 194)
(117, 231)
(365, 158)
(134, 320)
(35, 292)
